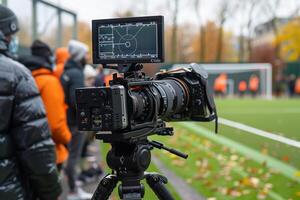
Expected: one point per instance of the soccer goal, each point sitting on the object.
(237, 72)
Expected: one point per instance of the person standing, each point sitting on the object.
(254, 85)
(41, 66)
(71, 79)
(61, 55)
(27, 156)
(99, 81)
(220, 85)
(242, 88)
(297, 86)
(291, 82)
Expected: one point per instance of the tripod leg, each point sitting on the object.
(157, 183)
(105, 187)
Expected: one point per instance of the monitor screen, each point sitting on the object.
(128, 40)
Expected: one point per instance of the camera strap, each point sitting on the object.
(202, 74)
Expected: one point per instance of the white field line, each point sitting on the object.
(259, 132)
(263, 111)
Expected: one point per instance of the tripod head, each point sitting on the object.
(128, 161)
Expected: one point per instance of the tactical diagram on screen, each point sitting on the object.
(134, 40)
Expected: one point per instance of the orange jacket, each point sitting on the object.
(221, 83)
(297, 86)
(108, 78)
(253, 83)
(53, 98)
(242, 86)
(62, 56)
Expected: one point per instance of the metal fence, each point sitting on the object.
(43, 20)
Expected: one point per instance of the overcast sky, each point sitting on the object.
(93, 9)
(97, 9)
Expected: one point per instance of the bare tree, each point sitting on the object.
(250, 16)
(175, 12)
(247, 8)
(242, 6)
(197, 6)
(222, 18)
(225, 11)
(272, 6)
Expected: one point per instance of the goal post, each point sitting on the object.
(240, 71)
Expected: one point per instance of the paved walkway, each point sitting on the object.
(181, 187)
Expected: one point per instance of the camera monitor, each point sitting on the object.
(128, 40)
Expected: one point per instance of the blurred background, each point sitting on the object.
(251, 49)
(206, 31)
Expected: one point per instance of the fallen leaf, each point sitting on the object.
(246, 181)
(285, 158)
(235, 193)
(178, 162)
(261, 196)
(245, 192)
(265, 151)
(264, 164)
(254, 181)
(297, 174)
(234, 157)
(189, 180)
(269, 185)
(211, 198)
(198, 163)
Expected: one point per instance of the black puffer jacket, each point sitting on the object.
(27, 157)
(71, 79)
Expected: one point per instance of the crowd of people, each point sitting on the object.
(39, 140)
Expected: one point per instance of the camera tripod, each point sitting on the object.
(128, 163)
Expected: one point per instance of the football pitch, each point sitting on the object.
(237, 164)
(281, 117)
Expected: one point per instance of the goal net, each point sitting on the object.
(238, 72)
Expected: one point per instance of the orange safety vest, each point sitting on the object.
(221, 83)
(108, 78)
(297, 86)
(253, 83)
(242, 86)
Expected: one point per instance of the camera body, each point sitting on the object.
(102, 109)
(133, 107)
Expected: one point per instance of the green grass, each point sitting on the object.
(217, 170)
(279, 116)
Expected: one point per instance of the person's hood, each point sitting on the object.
(89, 72)
(35, 62)
(61, 55)
(77, 50)
(73, 64)
(41, 71)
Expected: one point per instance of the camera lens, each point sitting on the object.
(168, 96)
(176, 96)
